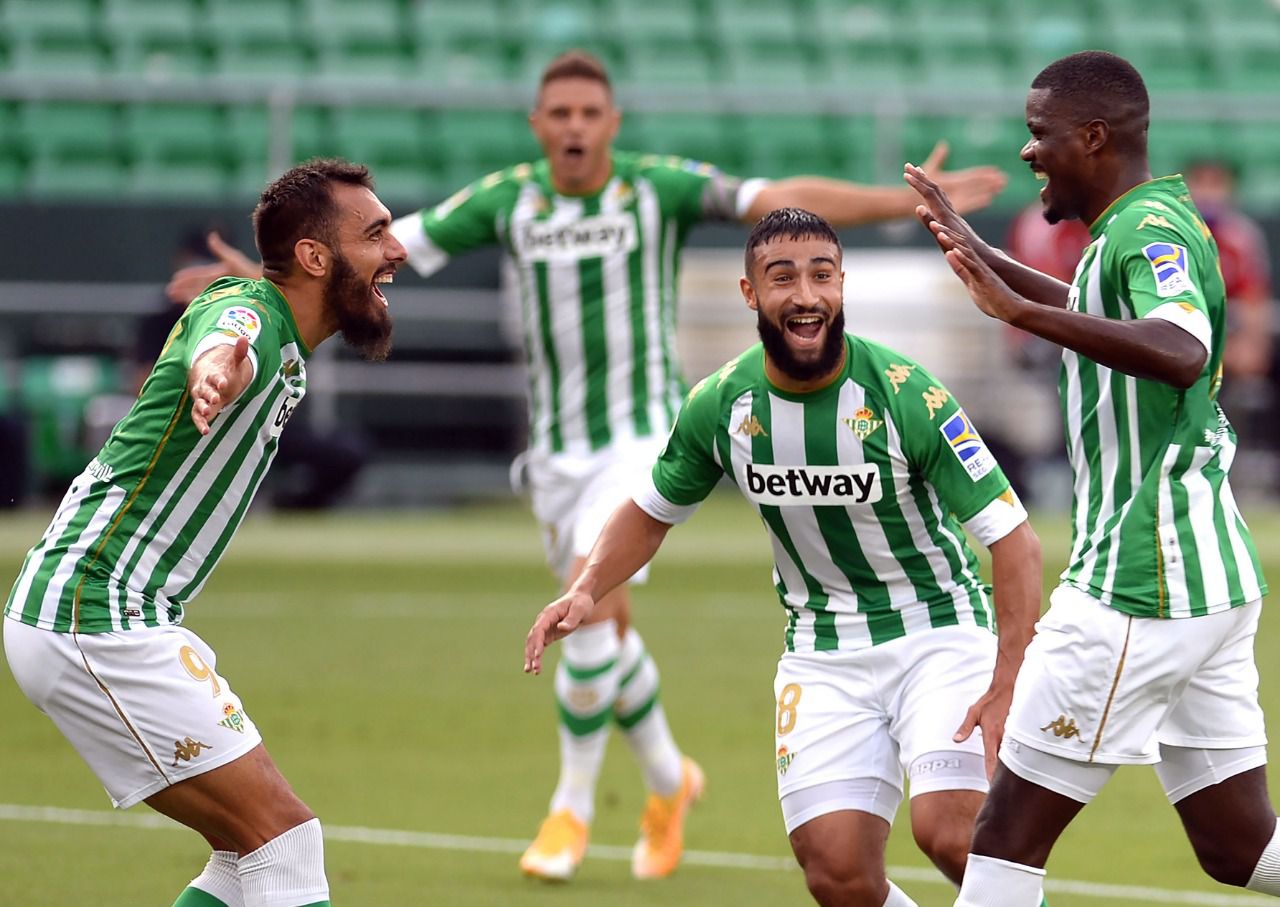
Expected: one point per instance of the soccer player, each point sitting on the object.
(595, 235)
(92, 628)
(863, 470)
(1146, 653)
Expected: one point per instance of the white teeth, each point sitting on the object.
(384, 278)
(1041, 175)
(805, 319)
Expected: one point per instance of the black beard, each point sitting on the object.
(776, 348)
(346, 301)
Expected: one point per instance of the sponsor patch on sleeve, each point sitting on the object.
(1169, 265)
(967, 445)
(240, 321)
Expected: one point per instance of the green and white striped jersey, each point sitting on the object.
(140, 530)
(1156, 530)
(597, 280)
(862, 487)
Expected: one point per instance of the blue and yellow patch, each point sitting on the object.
(1169, 265)
(967, 445)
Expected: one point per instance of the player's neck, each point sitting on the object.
(307, 304)
(786, 383)
(590, 184)
(1124, 180)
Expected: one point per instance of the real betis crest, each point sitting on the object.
(863, 423)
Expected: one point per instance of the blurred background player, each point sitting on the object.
(596, 235)
(1248, 385)
(1146, 655)
(890, 662)
(92, 625)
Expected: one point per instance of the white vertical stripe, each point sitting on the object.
(1173, 567)
(621, 365)
(1201, 507)
(1250, 581)
(75, 551)
(650, 216)
(668, 312)
(564, 291)
(71, 501)
(1075, 401)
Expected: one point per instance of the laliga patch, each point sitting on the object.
(967, 445)
(1169, 265)
(241, 321)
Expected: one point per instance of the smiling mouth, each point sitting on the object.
(384, 277)
(806, 328)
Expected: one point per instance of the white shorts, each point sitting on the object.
(875, 715)
(1101, 686)
(574, 496)
(144, 708)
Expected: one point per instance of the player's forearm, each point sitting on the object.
(628, 541)
(1027, 282)
(1017, 585)
(842, 203)
(1149, 348)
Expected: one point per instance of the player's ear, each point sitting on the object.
(312, 256)
(748, 293)
(1095, 133)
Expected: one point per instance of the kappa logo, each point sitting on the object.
(751, 427)
(1169, 265)
(187, 749)
(590, 237)
(785, 758)
(785, 486)
(898, 375)
(1155, 220)
(935, 398)
(1063, 727)
(967, 445)
(863, 423)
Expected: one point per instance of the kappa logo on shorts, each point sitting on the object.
(187, 749)
(1063, 727)
(785, 758)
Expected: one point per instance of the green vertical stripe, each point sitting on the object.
(550, 356)
(821, 416)
(1186, 538)
(44, 573)
(639, 330)
(595, 349)
(668, 252)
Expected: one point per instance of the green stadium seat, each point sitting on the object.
(840, 23)
(1260, 186)
(465, 64)
(656, 20)
(975, 139)
(160, 59)
(251, 136)
(792, 145)
(58, 57)
(257, 21)
(870, 66)
(975, 71)
(13, 176)
(163, 130)
(361, 62)
(256, 62)
(564, 23)
(688, 66)
(127, 21)
(478, 142)
(25, 20)
(938, 24)
(785, 68)
(713, 138)
(404, 186)
(43, 127)
(1173, 143)
(368, 134)
(866, 148)
(55, 391)
(81, 176)
(755, 22)
(338, 22)
(178, 179)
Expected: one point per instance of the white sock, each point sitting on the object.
(586, 689)
(643, 721)
(287, 871)
(1266, 875)
(221, 878)
(989, 882)
(897, 897)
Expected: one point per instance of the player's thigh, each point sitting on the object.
(842, 846)
(144, 708)
(931, 679)
(833, 750)
(1096, 684)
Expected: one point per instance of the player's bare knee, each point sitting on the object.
(1224, 858)
(837, 883)
(946, 844)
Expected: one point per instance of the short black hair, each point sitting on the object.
(1096, 84)
(788, 223)
(299, 205)
(576, 64)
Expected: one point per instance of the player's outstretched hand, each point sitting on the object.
(188, 283)
(991, 294)
(939, 213)
(988, 713)
(216, 379)
(969, 189)
(556, 621)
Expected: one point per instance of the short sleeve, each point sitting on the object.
(221, 319)
(466, 220)
(1161, 278)
(696, 191)
(686, 471)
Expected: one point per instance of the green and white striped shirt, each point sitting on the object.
(862, 487)
(1156, 529)
(597, 279)
(141, 529)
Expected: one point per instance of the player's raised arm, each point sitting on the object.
(216, 379)
(628, 542)
(847, 204)
(1017, 583)
(189, 282)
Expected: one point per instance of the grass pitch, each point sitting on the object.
(380, 654)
